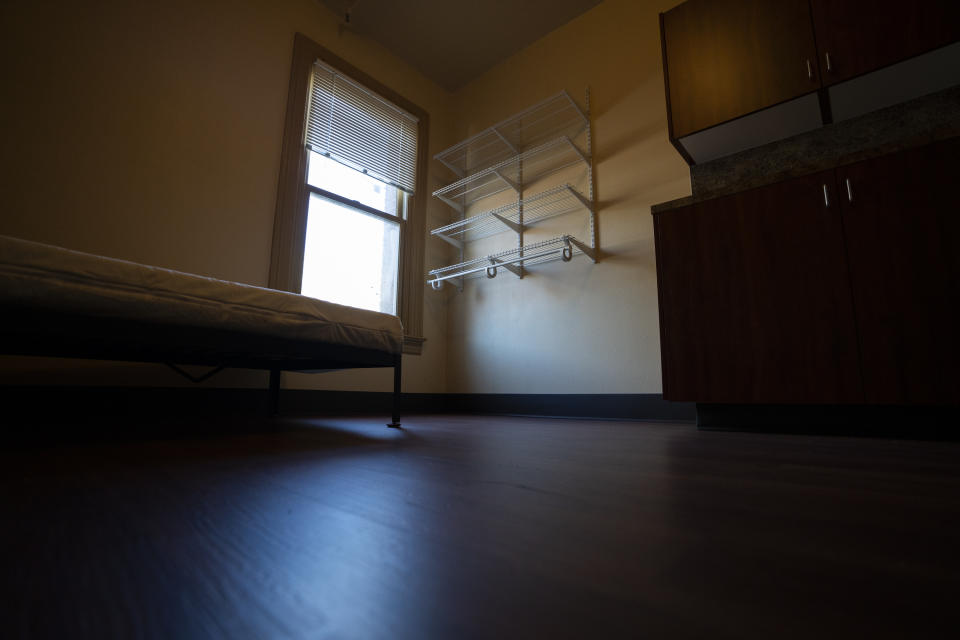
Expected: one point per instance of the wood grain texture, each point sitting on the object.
(729, 58)
(903, 235)
(755, 298)
(865, 35)
(473, 527)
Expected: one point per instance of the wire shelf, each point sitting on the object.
(559, 248)
(536, 163)
(548, 137)
(556, 116)
(548, 204)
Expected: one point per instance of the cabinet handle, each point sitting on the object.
(849, 190)
(829, 63)
(809, 69)
(826, 197)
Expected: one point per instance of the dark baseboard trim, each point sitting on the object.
(611, 406)
(67, 407)
(207, 401)
(915, 422)
(598, 406)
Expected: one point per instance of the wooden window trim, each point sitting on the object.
(293, 194)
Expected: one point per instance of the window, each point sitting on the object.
(349, 220)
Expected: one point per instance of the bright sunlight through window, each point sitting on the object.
(351, 257)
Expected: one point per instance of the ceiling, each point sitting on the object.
(454, 41)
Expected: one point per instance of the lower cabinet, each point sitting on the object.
(838, 287)
(755, 298)
(902, 224)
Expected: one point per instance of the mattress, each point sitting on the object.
(44, 277)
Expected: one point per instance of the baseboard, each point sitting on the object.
(64, 407)
(208, 401)
(916, 422)
(611, 406)
(602, 406)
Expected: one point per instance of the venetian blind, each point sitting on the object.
(360, 129)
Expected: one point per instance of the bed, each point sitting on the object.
(64, 303)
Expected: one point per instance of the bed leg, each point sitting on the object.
(274, 391)
(396, 393)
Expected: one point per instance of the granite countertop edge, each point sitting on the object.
(793, 158)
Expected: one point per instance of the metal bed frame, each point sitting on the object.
(41, 332)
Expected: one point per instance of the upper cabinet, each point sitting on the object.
(728, 58)
(726, 62)
(858, 36)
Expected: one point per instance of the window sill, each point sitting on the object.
(413, 346)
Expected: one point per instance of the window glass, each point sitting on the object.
(332, 176)
(351, 257)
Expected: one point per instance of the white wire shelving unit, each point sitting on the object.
(548, 137)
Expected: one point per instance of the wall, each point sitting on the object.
(579, 327)
(150, 130)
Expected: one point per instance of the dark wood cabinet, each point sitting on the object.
(755, 298)
(902, 226)
(774, 296)
(728, 58)
(858, 36)
(725, 59)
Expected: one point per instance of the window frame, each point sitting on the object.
(293, 192)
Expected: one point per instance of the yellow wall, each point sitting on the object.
(579, 327)
(150, 130)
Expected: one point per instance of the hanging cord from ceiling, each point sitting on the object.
(346, 13)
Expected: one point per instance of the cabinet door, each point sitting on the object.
(903, 237)
(864, 35)
(729, 58)
(755, 298)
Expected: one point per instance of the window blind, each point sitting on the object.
(360, 129)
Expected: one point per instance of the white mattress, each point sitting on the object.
(46, 277)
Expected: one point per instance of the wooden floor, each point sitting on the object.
(476, 527)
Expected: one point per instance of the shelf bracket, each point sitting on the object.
(518, 228)
(456, 170)
(512, 268)
(513, 185)
(453, 203)
(582, 198)
(583, 156)
(586, 249)
(576, 107)
(505, 141)
(457, 243)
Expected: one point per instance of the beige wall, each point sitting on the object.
(579, 327)
(150, 130)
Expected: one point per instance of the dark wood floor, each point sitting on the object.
(474, 527)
